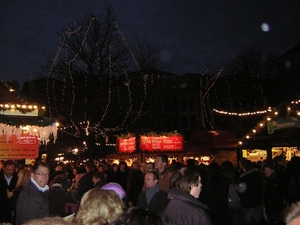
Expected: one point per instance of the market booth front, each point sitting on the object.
(203, 146)
(23, 127)
(277, 134)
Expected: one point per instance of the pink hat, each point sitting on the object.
(114, 187)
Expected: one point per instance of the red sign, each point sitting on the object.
(162, 143)
(126, 145)
(22, 147)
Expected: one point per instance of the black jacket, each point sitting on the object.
(250, 188)
(156, 201)
(5, 206)
(181, 208)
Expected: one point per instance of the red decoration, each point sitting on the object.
(162, 143)
(126, 145)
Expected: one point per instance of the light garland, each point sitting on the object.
(22, 107)
(240, 114)
(72, 59)
(273, 114)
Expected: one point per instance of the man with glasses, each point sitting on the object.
(152, 197)
(33, 201)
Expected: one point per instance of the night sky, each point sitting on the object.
(196, 34)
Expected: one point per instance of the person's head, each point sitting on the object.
(74, 171)
(115, 167)
(138, 216)
(47, 221)
(101, 168)
(186, 180)
(59, 168)
(227, 166)
(57, 180)
(143, 167)
(150, 179)
(268, 169)
(122, 166)
(135, 166)
(97, 175)
(9, 168)
(90, 167)
(117, 188)
(161, 162)
(246, 164)
(23, 178)
(150, 166)
(99, 206)
(292, 214)
(40, 173)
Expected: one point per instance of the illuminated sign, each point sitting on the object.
(162, 143)
(19, 147)
(126, 145)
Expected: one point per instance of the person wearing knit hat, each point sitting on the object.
(116, 188)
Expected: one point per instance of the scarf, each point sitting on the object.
(150, 192)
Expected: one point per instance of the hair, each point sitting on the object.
(99, 207)
(39, 163)
(90, 167)
(57, 180)
(227, 165)
(163, 157)
(138, 216)
(268, 165)
(23, 178)
(292, 212)
(9, 163)
(154, 173)
(184, 179)
(246, 164)
(99, 175)
(48, 220)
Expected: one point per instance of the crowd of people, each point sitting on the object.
(150, 193)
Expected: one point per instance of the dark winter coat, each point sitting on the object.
(85, 184)
(57, 200)
(5, 206)
(156, 201)
(274, 198)
(250, 188)
(181, 208)
(31, 204)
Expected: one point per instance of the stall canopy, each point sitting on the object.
(204, 142)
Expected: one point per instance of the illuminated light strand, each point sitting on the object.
(60, 45)
(229, 93)
(72, 60)
(97, 126)
(267, 119)
(204, 96)
(240, 114)
(128, 46)
(20, 106)
(144, 76)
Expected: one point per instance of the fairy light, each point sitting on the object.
(240, 114)
(69, 77)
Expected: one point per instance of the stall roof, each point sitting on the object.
(214, 139)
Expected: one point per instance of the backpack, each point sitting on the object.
(233, 198)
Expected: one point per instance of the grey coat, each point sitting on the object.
(31, 204)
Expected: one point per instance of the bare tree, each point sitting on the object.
(90, 66)
(252, 62)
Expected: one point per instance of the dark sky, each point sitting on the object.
(196, 34)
